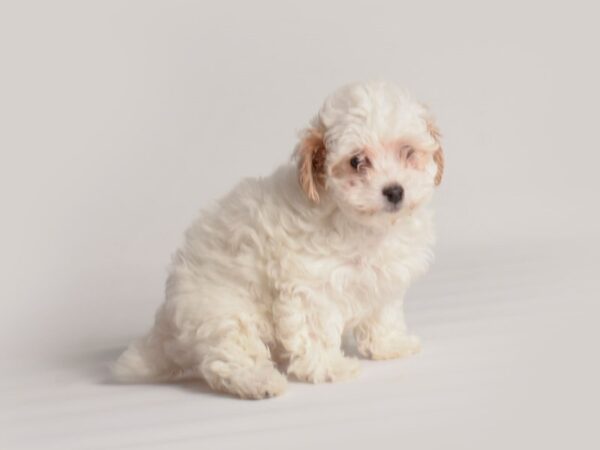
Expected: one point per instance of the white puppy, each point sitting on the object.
(283, 265)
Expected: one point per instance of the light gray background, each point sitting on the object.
(120, 119)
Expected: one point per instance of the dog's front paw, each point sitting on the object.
(390, 347)
(321, 369)
(265, 384)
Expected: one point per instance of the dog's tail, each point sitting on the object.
(145, 361)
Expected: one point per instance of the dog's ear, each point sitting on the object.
(438, 156)
(310, 155)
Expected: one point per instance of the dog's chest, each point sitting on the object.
(365, 277)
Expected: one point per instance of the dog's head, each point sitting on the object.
(373, 151)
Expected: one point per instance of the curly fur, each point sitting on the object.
(271, 277)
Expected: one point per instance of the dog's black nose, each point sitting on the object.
(394, 193)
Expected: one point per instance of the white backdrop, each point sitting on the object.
(120, 119)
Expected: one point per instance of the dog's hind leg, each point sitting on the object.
(240, 363)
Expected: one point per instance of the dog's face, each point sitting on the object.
(373, 151)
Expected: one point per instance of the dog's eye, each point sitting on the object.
(409, 152)
(359, 163)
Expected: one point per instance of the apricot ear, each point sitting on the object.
(438, 158)
(310, 153)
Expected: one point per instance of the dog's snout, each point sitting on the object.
(394, 193)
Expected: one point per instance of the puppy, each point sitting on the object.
(274, 275)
